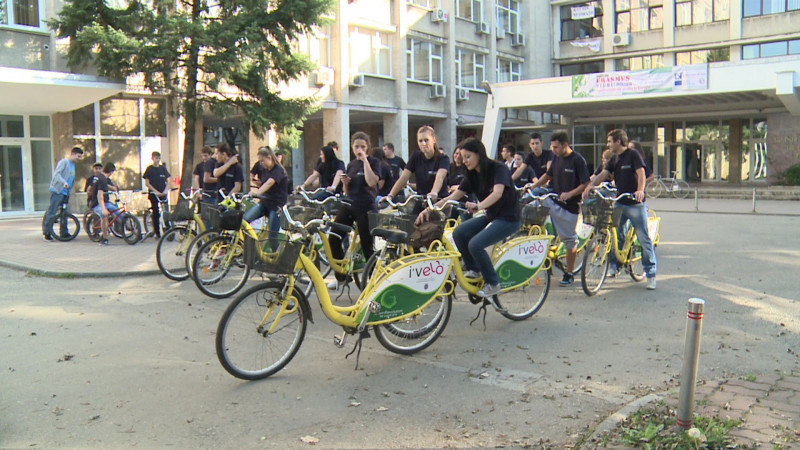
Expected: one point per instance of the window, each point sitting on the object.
(764, 7)
(508, 16)
(470, 10)
(639, 15)
(425, 3)
(640, 62)
(693, 12)
(424, 61)
(470, 68)
(581, 68)
(703, 56)
(508, 70)
(768, 49)
(370, 52)
(580, 21)
(319, 46)
(21, 12)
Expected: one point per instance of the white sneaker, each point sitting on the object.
(471, 274)
(651, 283)
(489, 290)
(612, 270)
(333, 285)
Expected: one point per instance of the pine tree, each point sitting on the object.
(227, 56)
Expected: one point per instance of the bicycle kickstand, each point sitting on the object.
(482, 309)
(361, 336)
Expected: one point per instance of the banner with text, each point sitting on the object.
(663, 79)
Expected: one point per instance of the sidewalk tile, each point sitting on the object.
(755, 386)
(791, 410)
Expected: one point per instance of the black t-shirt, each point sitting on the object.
(276, 196)
(388, 179)
(624, 167)
(198, 170)
(326, 179)
(527, 177)
(358, 190)
(425, 171)
(566, 174)
(209, 167)
(539, 163)
(158, 177)
(101, 184)
(507, 208)
(456, 174)
(231, 176)
(397, 165)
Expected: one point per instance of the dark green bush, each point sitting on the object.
(792, 175)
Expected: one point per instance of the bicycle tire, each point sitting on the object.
(94, 227)
(635, 266)
(654, 189)
(681, 189)
(146, 221)
(194, 247)
(525, 301)
(170, 252)
(416, 333)
(578, 264)
(131, 229)
(595, 264)
(85, 222)
(217, 274)
(71, 227)
(243, 348)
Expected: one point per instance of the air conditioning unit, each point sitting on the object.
(358, 80)
(438, 91)
(482, 28)
(463, 94)
(323, 76)
(621, 39)
(501, 32)
(518, 40)
(438, 15)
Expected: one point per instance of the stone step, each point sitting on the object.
(763, 193)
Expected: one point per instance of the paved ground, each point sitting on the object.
(765, 394)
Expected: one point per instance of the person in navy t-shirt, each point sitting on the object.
(429, 165)
(156, 179)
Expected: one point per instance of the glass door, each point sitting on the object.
(12, 194)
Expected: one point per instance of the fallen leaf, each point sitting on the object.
(382, 408)
(355, 403)
(309, 440)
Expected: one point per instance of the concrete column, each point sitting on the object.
(668, 29)
(395, 130)
(446, 129)
(492, 122)
(336, 127)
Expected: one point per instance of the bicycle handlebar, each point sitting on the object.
(395, 205)
(600, 194)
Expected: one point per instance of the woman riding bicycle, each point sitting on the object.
(429, 165)
(360, 183)
(271, 195)
(328, 172)
(491, 183)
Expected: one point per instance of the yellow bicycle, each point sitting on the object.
(175, 242)
(407, 304)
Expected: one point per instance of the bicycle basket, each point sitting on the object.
(602, 211)
(302, 214)
(402, 222)
(259, 256)
(221, 218)
(534, 215)
(181, 212)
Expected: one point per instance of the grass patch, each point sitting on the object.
(655, 427)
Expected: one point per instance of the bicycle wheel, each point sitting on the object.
(146, 221)
(171, 252)
(681, 189)
(131, 228)
(94, 228)
(194, 248)
(254, 340)
(635, 266)
(85, 222)
(525, 301)
(654, 188)
(595, 264)
(219, 269)
(65, 227)
(369, 267)
(416, 333)
(562, 259)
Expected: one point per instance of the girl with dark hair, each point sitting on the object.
(429, 165)
(386, 176)
(491, 183)
(271, 194)
(329, 172)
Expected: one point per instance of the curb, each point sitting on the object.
(730, 213)
(58, 274)
(622, 414)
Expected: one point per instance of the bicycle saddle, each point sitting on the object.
(391, 236)
(340, 229)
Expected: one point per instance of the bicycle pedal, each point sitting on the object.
(339, 341)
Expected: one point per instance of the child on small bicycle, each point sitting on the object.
(103, 207)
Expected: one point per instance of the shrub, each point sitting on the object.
(792, 175)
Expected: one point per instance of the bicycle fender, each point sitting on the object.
(302, 298)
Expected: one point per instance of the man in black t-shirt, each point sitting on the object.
(228, 173)
(102, 206)
(538, 159)
(88, 187)
(628, 168)
(156, 179)
(569, 175)
(397, 164)
(199, 170)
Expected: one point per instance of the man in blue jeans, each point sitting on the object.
(629, 176)
(60, 184)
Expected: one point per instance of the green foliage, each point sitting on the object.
(791, 176)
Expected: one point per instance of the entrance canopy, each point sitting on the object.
(727, 89)
(40, 92)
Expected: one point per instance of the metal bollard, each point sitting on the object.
(696, 200)
(754, 199)
(691, 353)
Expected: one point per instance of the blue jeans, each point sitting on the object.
(637, 214)
(56, 199)
(473, 236)
(274, 222)
(112, 209)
